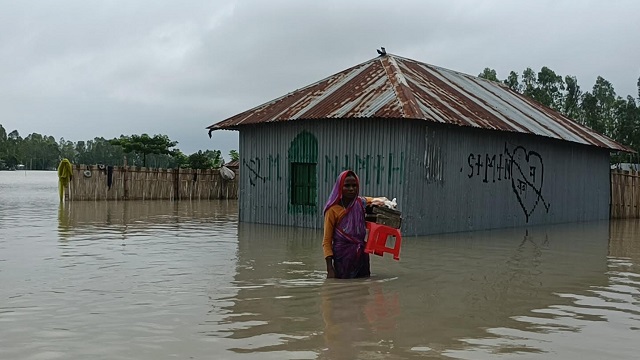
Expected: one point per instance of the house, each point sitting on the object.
(233, 165)
(458, 152)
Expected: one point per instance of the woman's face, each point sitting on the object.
(349, 188)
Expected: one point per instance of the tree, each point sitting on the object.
(528, 83)
(3, 134)
(572, 99)
(180, 159)
(233, 154)
(39, 152)
(216, 158)
(13, 149)
(67, 150)
(145, 145)
(3, 147)
(199, 160)
(546, 87)
(489, 74)
(512, 82)
(549, 89)
(599, 107)
(3, 142)
(626, 113)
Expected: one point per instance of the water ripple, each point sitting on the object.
(576, 323)
(155, 280)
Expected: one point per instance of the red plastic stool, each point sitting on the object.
(377, 240)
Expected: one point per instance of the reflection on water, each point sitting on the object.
(129, 218)
(150, 280)
(361, 314)
(585, 326)
(600, 321)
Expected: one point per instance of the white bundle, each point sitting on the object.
(391, 204)
(226, 173)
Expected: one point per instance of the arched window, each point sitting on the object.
(303, 161)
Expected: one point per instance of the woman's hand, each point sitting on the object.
(331, 272)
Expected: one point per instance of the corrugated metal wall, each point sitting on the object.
(446, 179)
(375, 149)
(479, 179)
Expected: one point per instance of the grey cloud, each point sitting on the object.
(80, 69)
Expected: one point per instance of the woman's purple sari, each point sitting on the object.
(349, 258)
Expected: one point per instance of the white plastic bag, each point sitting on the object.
(391, 204)
(227, 174)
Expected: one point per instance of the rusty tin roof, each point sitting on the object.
(393, 87)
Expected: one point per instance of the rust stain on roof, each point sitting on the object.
(394, 87)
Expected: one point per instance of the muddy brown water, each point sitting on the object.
(185, 280)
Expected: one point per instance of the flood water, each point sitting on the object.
(185, 280)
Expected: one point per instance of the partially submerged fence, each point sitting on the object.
(93, 182)
(625, 194)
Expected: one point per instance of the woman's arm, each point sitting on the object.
(327, 241)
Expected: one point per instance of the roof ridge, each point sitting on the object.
(456, 72)
(400, 85)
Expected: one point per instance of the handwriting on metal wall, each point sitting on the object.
(370, 168)
(376, 169)
(254, 166)
(524, 168)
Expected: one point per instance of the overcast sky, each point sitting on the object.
(84, 69)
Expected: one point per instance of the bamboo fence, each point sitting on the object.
(92, 182)
(625, 194)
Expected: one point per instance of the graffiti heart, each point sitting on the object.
(527, 178)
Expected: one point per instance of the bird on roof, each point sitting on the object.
(382, 51)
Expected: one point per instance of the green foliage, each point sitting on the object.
(528, 82)
(572, 99)
(67, 149)
(628, 121)
(145, 145)
(489, 74)
(199, 160)
(512, 82)
(233, 154)
(600, 109)
(35, 151)
(39, 152)
(216, 158)
(548, 89)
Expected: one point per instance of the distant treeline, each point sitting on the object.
(600, 109)
(41, 152)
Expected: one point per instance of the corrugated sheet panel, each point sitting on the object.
(392, 87)
(469, 180)
(376, 150)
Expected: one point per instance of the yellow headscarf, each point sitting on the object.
(65, 171)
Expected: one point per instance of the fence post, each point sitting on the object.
(125, 182)
(176, 183)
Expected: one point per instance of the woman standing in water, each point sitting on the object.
(345, 229)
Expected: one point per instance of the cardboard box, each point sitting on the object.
(386, 216)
